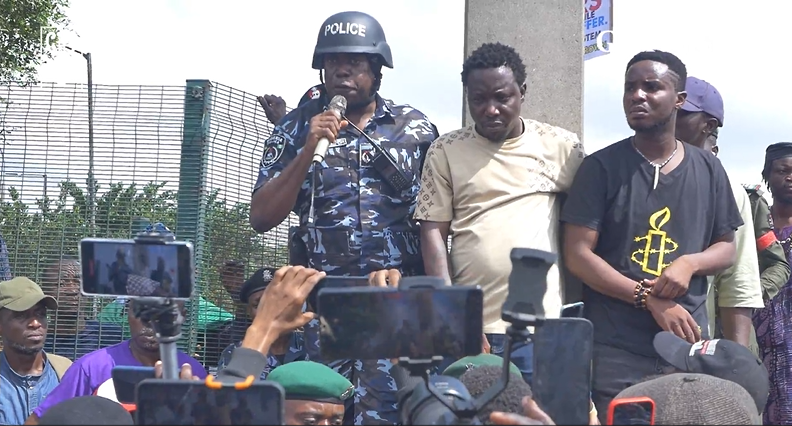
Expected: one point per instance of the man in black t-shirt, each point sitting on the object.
(646, 221)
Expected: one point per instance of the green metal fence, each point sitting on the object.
(186, 156)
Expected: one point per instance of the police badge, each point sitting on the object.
(273, 149)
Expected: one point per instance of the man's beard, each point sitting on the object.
(781, 198)
(25, 350)
(653, 128)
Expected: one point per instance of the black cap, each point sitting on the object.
(774, 152)
(87, 410)
(352, 32)
(258, 281)
(719, 358)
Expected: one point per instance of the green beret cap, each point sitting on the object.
(458, 368)
(312, 381)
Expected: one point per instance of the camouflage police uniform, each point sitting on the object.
(361, 223)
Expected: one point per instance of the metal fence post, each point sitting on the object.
(191, 209)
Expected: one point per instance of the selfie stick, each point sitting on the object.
(162, 313)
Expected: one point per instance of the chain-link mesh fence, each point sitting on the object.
(183, 156)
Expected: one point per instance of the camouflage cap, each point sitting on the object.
(459, 368)
(21, 294)
(696, 399)
(312, 381)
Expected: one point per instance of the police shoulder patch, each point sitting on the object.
(273, 150)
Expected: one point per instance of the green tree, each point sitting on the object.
(38, 236)
(29, 32)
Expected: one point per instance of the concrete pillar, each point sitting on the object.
(548, 34)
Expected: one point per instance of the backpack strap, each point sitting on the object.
(59, 364)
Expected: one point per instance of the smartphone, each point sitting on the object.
(126, 379)
(572, 310)
(527, 282)
(126, 268)
(384, 323)
(181, 402)
(335, 282)
(563, 352)
(631, 411)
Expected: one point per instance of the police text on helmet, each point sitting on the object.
(345, 28)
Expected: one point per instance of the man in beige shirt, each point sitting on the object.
(738, 288)
(493, 186)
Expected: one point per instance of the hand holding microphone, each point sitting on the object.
(325, 128)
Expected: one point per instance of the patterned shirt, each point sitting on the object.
(362, 224)
(774, 335)
(296, 352)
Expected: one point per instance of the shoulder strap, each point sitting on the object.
(59, 364)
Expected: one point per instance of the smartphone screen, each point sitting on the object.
(335, 282)
(633, 413)
(178, 402)
(384, 323)
(563, 351)
(126, 379)
(126, 268)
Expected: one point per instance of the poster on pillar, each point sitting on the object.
(597, 28)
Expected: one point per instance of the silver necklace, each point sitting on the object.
(656, 166)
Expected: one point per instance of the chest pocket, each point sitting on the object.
(334, 174)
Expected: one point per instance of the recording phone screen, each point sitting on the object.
(377, 323)
(633, 413)
(335, 282)
(126, 268)
(177, 402)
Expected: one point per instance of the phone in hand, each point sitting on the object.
(631, 411)
(126, 379)
(385, 323)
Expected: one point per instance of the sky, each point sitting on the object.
(255, 48)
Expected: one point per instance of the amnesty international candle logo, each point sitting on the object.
(656, 244)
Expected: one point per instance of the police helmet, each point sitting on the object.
(351, 32)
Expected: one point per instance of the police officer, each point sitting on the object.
(363, 216)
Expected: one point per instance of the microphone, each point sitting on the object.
(338, 105)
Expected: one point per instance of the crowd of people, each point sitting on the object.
(685, 273)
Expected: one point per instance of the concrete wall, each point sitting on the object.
(548, 35)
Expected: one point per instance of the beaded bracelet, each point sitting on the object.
(647, 291)
(641, 295)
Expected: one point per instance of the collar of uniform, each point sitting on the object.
(383, 109)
